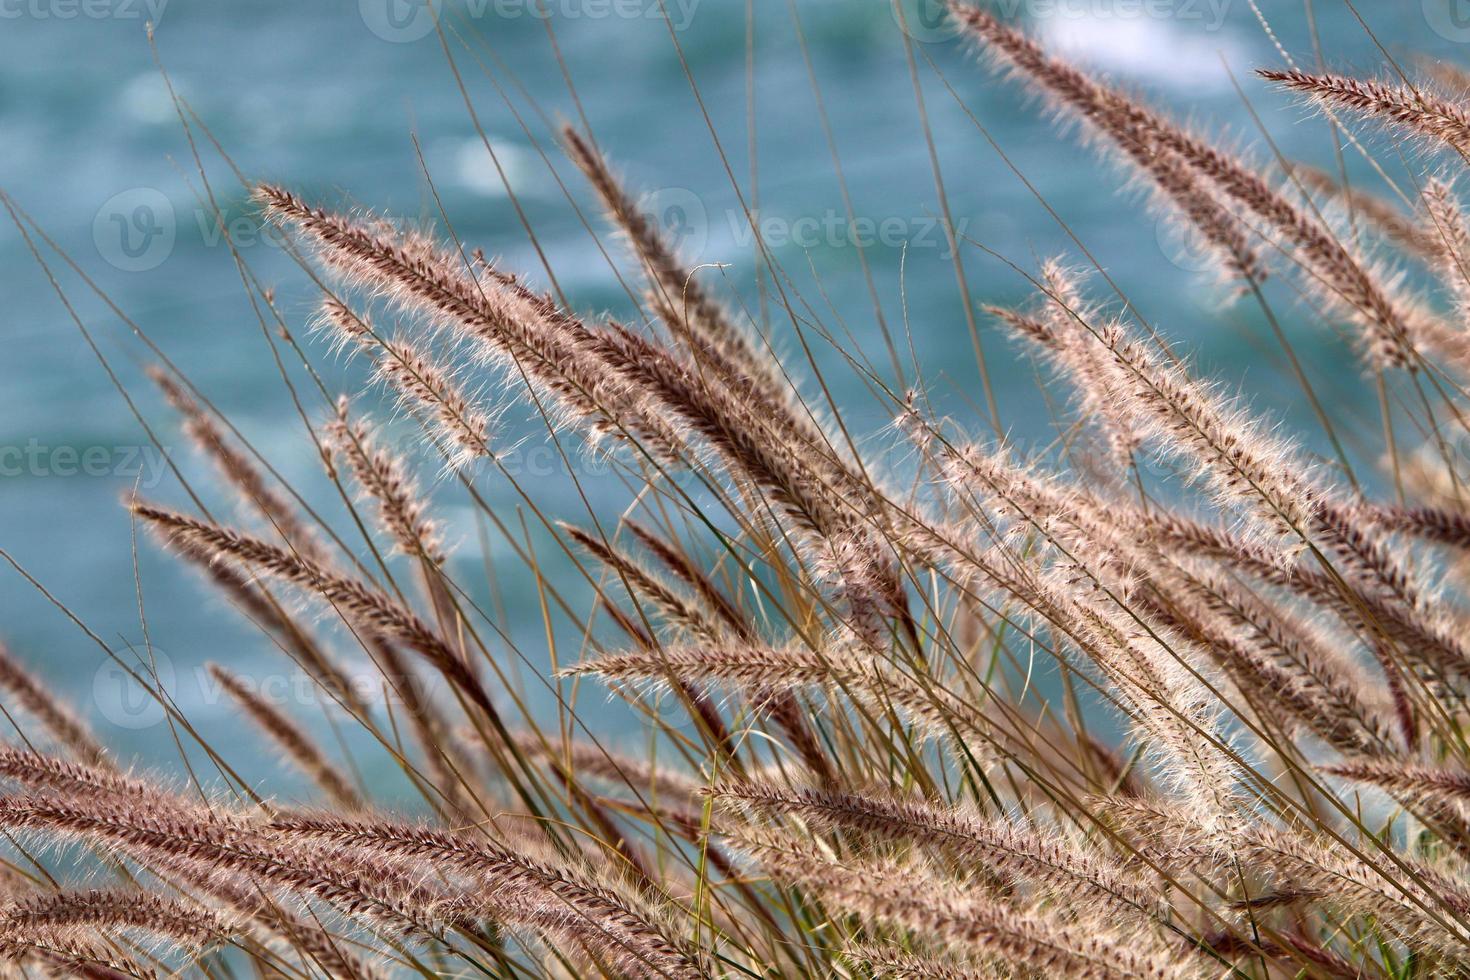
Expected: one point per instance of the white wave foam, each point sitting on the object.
(1184, 54)
(476, 171)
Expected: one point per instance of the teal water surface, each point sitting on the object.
(354, 102)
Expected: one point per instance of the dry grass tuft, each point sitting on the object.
(1175, 697)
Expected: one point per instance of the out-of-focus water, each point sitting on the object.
(328, 96)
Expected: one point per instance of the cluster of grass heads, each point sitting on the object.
(1056, 716)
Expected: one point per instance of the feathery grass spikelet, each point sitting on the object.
(183, 925)
(1387, 218)
(892, 963)
(384, 478)
(1411, 109)
(907, 896)
(32, 697)
(423, 385)
(1013, 851)
(237, 847)
(292, 740)
(1340, 279)
(998, 710)
(513, 327)
(547, 897)
(678, 295)
(1430, 783)
(362, 605)
(256, 494)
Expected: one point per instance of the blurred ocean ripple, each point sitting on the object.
(328, 96)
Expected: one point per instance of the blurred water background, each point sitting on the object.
(327, 97)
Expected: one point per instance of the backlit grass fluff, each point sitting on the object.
(1175, 697)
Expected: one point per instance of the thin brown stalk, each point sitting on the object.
(299, 747)
(237, 470)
